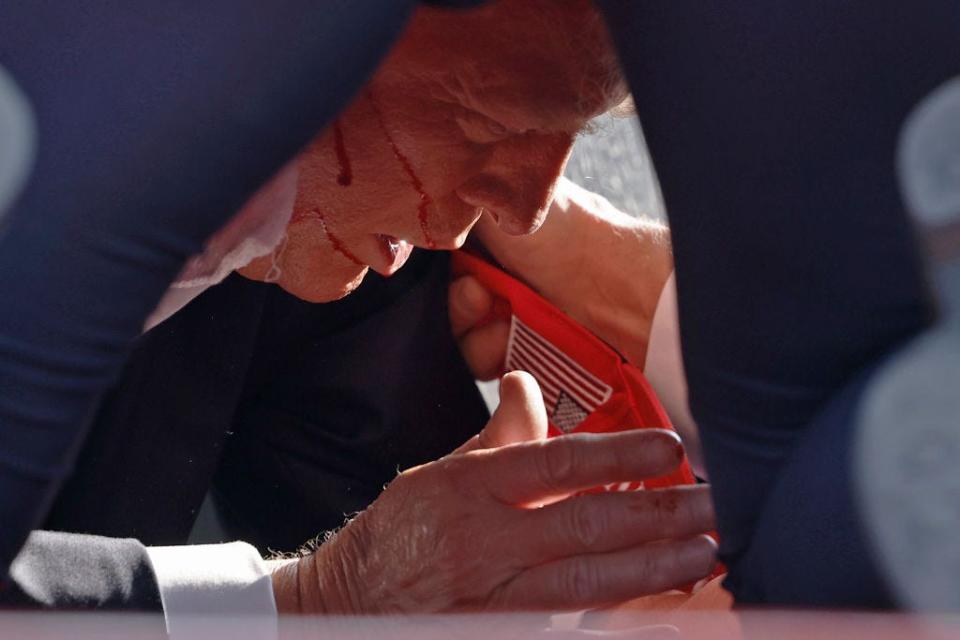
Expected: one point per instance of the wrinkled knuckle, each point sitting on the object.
(585, 523)
(558, 463)
(581, 580)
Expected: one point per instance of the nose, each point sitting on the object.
(516, 184)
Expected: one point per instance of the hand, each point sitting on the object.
(614, 297)
(483, 347)
(464, 532)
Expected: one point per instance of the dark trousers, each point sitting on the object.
(774, 130)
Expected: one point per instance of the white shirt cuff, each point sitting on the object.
(214, 590)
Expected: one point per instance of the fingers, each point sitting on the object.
(533, 472)
(483, 347)
(603, 578)
(469, 302)
(608, 522)
(521, 416)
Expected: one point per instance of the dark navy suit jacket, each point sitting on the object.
(294, 414)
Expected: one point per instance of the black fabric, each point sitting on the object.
(82, 572)
(339, 399)
(312, 408)
(155, 443)
(774, 127)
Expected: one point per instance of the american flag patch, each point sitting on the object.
(570, 392)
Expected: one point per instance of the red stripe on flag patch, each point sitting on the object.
(561, 359)
(570, 392)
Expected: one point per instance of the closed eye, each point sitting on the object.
(481, 129)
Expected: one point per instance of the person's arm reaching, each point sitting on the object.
(602, 267)
(170, 117)
(460, 533)
(611, 272)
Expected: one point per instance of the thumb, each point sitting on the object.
(521, 416)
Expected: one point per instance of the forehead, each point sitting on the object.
(528, 65)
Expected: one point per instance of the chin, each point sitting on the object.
(327, 290)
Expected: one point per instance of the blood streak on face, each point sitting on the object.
(415, 182)
(335, 242)
(346, 174)
(472, 124)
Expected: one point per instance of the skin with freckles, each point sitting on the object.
(469, 114)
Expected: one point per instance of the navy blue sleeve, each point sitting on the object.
(69, 571)
(154, 122)
(773, 127)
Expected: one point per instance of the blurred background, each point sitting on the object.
(611, 159)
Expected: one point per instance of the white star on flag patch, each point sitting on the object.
(570, 392)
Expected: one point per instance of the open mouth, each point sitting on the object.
(394, 254)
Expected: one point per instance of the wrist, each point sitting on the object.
(323, 582)
(284, 576)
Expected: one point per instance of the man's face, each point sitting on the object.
(472, 114)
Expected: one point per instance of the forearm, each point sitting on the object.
(629, 277)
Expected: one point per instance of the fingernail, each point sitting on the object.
(670, 441)
(659, 447)
(699, 554)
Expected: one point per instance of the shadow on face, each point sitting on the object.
(473, 113)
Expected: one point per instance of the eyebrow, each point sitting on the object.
(552, 117)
